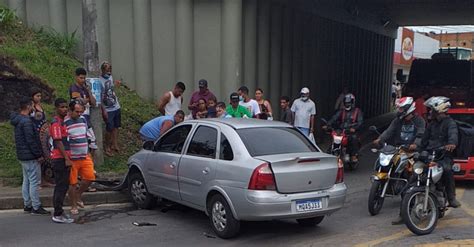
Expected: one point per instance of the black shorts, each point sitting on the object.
(394, 95)
(114, 120)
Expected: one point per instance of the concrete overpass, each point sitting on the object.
(278, 45)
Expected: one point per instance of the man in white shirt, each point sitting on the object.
(304, 111)
(171, 101)
(247, 102)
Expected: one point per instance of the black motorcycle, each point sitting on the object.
(425, 200)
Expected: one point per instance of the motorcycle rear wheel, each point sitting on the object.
(413, 215)
(375, 199)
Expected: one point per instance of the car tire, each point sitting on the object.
(139, 192)
(221, 218)
(309, 222)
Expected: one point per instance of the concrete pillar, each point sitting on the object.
(250, 44)
(275, 55)
(231, 56)
(103, 30)
(263, 59)
(57, 15)
(143, 48)
(185, 47)
(19, 6)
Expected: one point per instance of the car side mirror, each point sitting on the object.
(148, 145)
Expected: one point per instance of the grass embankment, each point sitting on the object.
(48, 55)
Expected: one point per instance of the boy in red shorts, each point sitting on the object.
(82, 163)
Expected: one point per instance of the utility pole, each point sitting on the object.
(91, 63)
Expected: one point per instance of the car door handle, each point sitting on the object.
(206, 171)
(173, 165)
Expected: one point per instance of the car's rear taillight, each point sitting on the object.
(340, 171)
(262, 178)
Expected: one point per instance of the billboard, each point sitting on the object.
(407, 49)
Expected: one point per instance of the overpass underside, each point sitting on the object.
(277, 45)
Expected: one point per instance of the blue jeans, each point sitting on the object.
(31, 182)
(304, 130)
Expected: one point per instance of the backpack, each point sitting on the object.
(465, 146)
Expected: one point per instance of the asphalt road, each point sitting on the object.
(180, 226)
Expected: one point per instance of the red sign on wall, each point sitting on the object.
(408, 38)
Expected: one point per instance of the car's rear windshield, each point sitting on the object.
(269, 141)
(466, 118)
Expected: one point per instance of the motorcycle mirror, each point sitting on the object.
(373, 128)
(374, 150)
(324, 120)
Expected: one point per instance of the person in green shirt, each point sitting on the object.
(235, 110)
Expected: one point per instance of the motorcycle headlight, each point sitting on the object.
(338, 139)
(418, 168)
(384, 159)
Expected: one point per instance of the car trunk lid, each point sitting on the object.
(302, 172)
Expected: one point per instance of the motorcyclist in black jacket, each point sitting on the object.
(407, 128)
(349, 118)
(442, 131)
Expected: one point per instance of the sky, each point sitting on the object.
(444, 29)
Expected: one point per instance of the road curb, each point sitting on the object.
(89, 198)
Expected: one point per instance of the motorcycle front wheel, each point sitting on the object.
(419, 222)
(375, 197)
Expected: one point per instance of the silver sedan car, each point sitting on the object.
(238, 170)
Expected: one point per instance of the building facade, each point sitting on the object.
(277, 45)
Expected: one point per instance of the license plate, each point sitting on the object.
(456, 168)
(308, 205)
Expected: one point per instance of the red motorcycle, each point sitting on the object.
(339, 146)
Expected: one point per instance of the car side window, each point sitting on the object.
(226, 150)
(173, 141)
(204, 142)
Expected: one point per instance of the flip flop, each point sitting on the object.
(74, 211)
(80, 204)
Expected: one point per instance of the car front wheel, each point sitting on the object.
(307, 222)
(139, 192)
(222, 220)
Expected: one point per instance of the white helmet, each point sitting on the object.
(405, 106)
(349, 101)
(440, 104)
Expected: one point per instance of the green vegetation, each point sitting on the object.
(8, 19)
(47, 55)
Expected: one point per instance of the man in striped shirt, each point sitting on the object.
(82, 164)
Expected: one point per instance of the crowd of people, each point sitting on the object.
(72, 142)
(204, 104)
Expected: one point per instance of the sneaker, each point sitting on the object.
(63, 219)
(27, 209)
(40, 211)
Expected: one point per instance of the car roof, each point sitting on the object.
(242, 123)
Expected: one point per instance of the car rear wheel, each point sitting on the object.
(308, 222)
(222, 220)
(139, 192)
